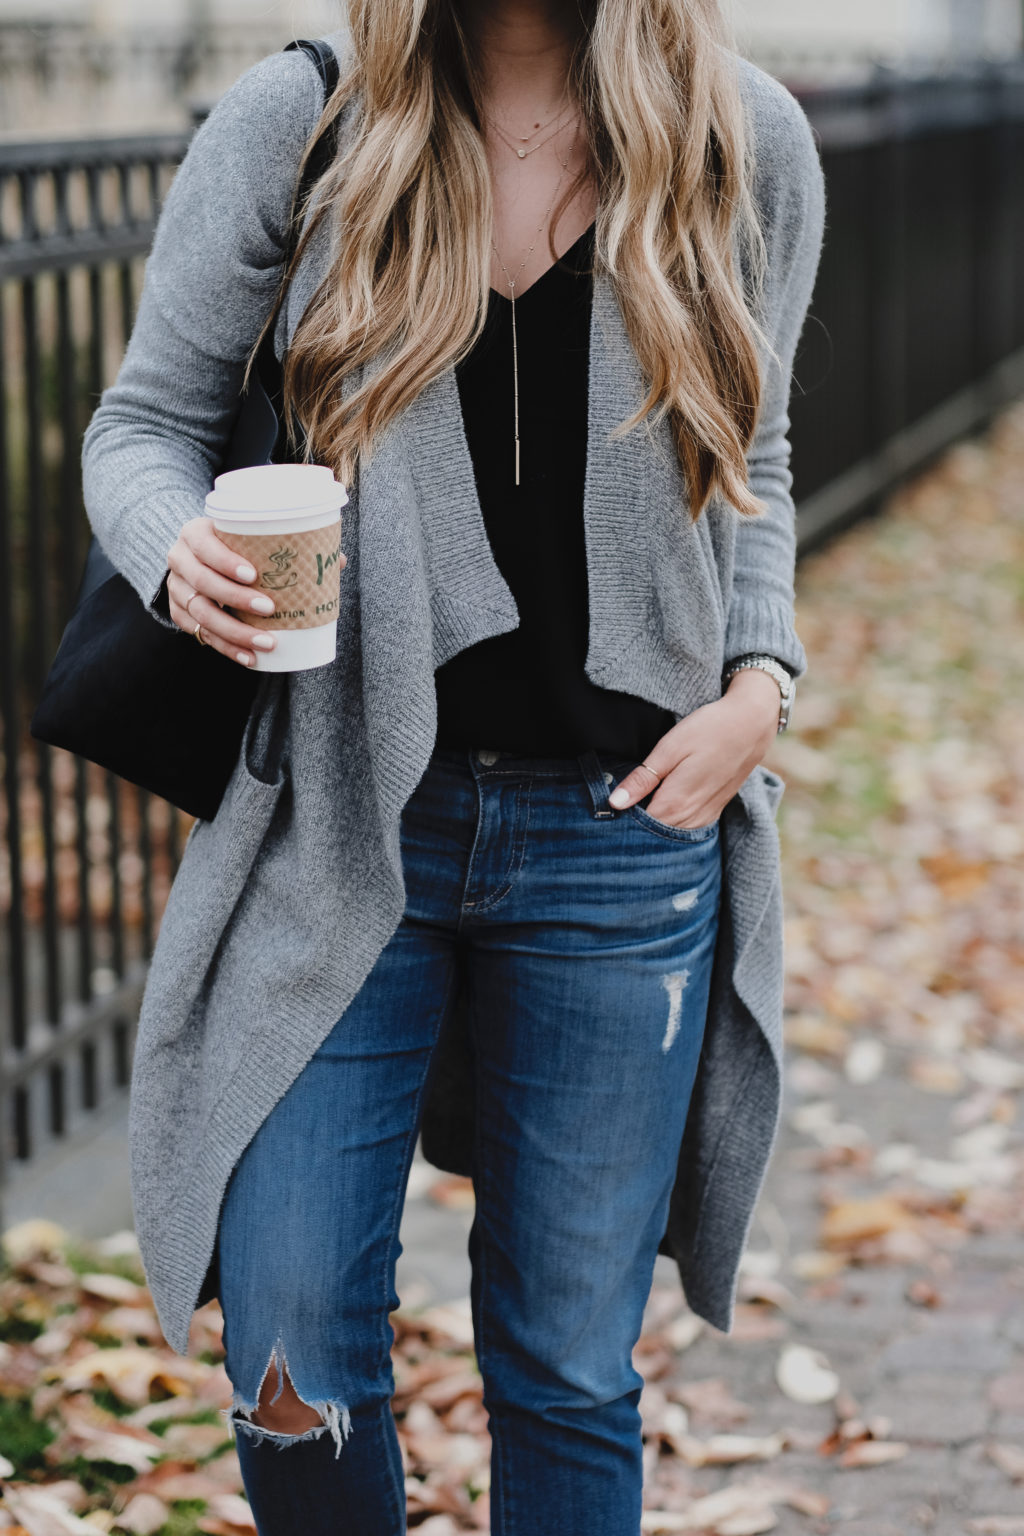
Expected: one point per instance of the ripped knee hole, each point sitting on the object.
(295, 1419)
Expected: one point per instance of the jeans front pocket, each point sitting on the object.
(639, 813)
(679, 834)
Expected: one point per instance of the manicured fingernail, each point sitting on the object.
(245, 573)
(619, 797)
(262, 604)
(245, 658)
(265, 642)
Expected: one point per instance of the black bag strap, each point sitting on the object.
(325, 59)
(329, 70)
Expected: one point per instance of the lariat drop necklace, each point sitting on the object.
(512, 281)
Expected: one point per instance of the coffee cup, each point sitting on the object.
(285, 520)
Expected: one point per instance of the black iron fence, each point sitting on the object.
(88, 859)
(917, 336)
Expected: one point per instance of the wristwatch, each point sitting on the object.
(781, 674)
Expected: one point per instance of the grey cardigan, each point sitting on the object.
(284, 900)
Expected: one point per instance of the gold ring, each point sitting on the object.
(188, 605)
(651, 771)
(198, 636)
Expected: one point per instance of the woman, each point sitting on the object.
(420, 905)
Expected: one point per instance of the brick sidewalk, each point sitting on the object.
(949, 1378)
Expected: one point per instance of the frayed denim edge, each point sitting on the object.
(238, 1414)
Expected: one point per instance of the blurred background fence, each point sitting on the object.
(917, 329)
(916, 336)
(89, 859)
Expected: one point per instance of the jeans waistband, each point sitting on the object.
(598, 770)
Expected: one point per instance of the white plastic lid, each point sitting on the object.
(273, 491)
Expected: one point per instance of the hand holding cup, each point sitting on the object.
(270, 553)
(206, 579)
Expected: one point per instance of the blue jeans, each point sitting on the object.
(584, 938)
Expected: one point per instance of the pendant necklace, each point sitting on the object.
(522, 153)
(524, 138)
(512, 288)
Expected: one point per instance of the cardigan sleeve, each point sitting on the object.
(156, 439)
(789, 192)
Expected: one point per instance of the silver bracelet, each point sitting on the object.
(775, 668)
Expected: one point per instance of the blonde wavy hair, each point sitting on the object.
(410, 188)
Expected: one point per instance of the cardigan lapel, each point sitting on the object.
(616, 499)
(470, 598)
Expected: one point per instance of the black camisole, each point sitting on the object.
(526, 691)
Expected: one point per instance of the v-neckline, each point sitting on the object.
(506, 298)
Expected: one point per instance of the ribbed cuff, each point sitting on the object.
(139, 539)
(759, 626)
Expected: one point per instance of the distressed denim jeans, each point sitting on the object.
(582, 939)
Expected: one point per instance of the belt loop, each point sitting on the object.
(597, 783)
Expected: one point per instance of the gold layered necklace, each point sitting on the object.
(524, 138)
(523, 147)
(512, 281)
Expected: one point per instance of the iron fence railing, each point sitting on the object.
(87, 857)
(916, 336)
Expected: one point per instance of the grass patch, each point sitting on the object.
(95, 1477)
(23, 1439)
(184, 1519)
(110, 1402)
(15, 1329)
(84, 1262)
(201, 1416)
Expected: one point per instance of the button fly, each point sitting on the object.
(488, 758)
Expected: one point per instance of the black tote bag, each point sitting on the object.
(127, 692)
